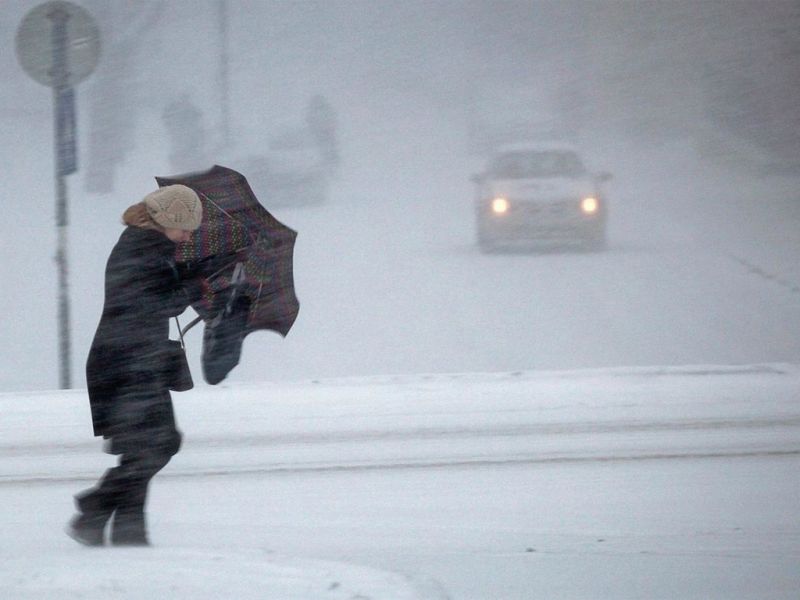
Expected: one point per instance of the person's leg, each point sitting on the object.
(146, 438)
(161, 441)
(128, 526)
(95, 506)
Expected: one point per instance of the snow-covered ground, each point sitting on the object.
(674, 482)
(559, 447)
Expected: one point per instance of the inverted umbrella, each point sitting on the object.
(253, 288)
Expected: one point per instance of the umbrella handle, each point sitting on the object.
(238, 274)
(236, 280)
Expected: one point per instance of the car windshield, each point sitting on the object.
(521, 165)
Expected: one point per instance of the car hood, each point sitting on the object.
(541, 188)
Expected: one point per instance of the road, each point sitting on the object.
(394, 283)
(662, 529)
(702, 268)
(672, 528)
(659, 483)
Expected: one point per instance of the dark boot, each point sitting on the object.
(135, 537)
(94, 510)
(128, 527)
(129, 530)
(86, 530)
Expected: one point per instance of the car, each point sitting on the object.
(291, 171)
(298, 162)
(540, 195)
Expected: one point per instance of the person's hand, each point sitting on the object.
(190, 269)
(194, 289)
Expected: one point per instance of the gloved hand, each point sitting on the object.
(194, 289)
(188, 270)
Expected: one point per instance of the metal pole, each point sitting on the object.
(64, 344)
(60, 79)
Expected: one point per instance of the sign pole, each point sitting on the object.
(64, 341)
(64, 130)
(58, 45)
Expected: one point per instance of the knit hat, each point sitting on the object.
(175, 207)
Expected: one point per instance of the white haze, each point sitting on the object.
(703, 260)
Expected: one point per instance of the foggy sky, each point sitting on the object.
(645, 86)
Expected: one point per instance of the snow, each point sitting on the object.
(661, 482)
(439, 423)
(188, 573)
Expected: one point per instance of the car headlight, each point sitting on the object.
(589, 205)
(500, 206)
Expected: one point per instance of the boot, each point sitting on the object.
(128, 527)
(129, 538)
(86, 529)
(93, 513)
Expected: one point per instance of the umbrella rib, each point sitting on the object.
(222, 210)
(229, 215)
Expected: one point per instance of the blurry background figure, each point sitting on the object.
(322, 122)
(187, 137)
(116, 105)
(296, 163)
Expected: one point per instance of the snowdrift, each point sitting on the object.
(446, 422)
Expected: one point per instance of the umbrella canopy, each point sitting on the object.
(237, 226)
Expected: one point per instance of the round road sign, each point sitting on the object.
(38, 36)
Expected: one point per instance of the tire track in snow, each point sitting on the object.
(456, 463)
(434, 433)
(764, 274)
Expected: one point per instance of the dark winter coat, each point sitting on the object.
(143, 290)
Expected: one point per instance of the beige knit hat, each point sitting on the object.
(175, 207)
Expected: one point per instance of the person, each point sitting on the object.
(184, 124)
(126, 369)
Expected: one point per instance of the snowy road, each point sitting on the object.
(570, 454)
(701, 268)
(624, 483)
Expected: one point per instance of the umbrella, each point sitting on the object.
(252, 283)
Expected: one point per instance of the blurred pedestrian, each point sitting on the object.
(183, 121)
(127, 369)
